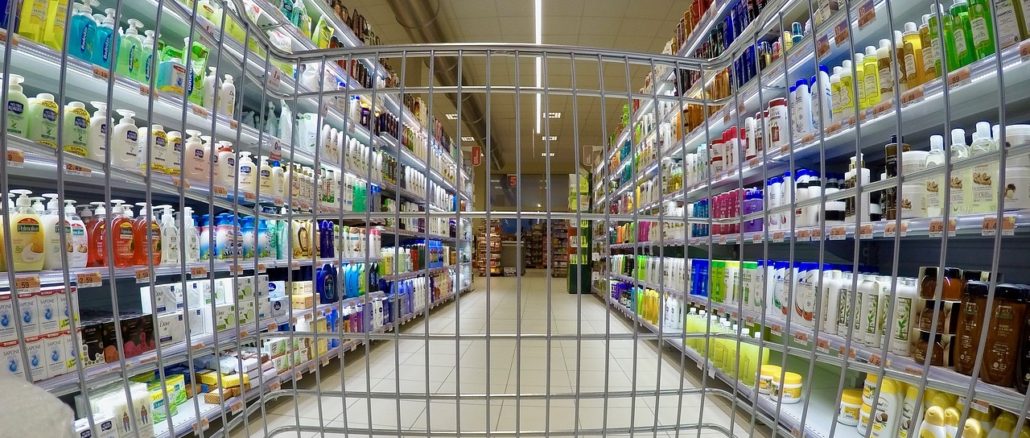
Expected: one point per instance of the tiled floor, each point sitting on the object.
(404, 366)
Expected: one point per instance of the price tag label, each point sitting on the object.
(803, 235)
(271, 327)
(776, 329)
(753, 162)
(100, 72)
(145, 90)
(838, 232)
(882, 108)
(198, 272)
(833, 128)
(777, 236)
(88, 279)
(197, 346)
(823, 346)
(866, 13)
(274, 78)
(914, 370)
(249, 196)
(756, 237)
(27, 283)
(822, 46)
(261, 268)
(1024, 50)
(15, 158)
(801, 338)
(295, 264)
(233, 124)
(913, 95)
(220, 191)
(236, 406)
(875, 359)
(200, 111)
(3, 38)
(722, 239)
(807, 138)
(936, 228)
(840, 33)
(275, 386)
(959, 77)
(72, 169)
(276, 152)
(201, 426)
(817, 234)
(866, 231)
(989, 226)
(142, 276)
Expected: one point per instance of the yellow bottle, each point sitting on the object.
(27, 242)
(951, 417)
(929, 54)
(860, 80)
(933, 423)
(749, 364)
(56, 20)
(847, 89)
(32, 23)
(972, 429)
(871, 83)
(913, 50)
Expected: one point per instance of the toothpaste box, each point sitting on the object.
(171, 328)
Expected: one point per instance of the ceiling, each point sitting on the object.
(618, 25)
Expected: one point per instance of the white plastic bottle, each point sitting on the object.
(124, 141)
(210, 88)
(157, 140)
(906, 298)
(248, 174)
(934, 186)
(227, 97)
(169, 237)
(959, 180)
(225, 166)
(867, 323)
(190, 236)
(99, 126)
(198, 159)
(982, 197)
(50, 219)
(832, 282)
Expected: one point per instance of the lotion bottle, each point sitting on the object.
(76, 129)
(210, 84)
(17, 106)
(27, 239)
(124, 139)
(99, 126)
(169, 237)
(227, 97)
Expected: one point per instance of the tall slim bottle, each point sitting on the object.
(962, 33)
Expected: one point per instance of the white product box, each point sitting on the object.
(277, 289)
(196, 320)
(69, 351)
(49, 311)
(197, 294)
(36, 354)
(164, 298)
(7, 330)
(10, 357)
(223, 317)
(247, 312)
(104, 427)
(82, 429)
(280, 306)
(67, 312)
(55, 351)
(264, 309)
(29, 314)
(262, 285)
(171, 328)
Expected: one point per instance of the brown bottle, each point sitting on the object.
(1001, 351)
(894, 149)
(970, 323)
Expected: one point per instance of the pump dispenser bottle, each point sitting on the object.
(198, 158)
(982, 196)
(169, 237)
(42, 120)
(99, 126)
(227, 97)
(17, 105)
(104, 34)
(130, 51)
(27, 239)
(190, 235)
(210, 87)
(124, 142)
(141, 226)
(76, 128)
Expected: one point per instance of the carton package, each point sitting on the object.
(49, 311)
(221, 318)
(171, 328)
(165, 298)
(36, 353)
(55, 351)
(7, 330)
(10, 357)
(29, 314)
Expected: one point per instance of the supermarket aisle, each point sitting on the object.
(444, 371)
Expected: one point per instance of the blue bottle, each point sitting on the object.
(325, 284)
(82, 33)
(325, 239)
(104, 34)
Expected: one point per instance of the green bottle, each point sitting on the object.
(962, 34)
(935, 40)
(130, 52)
(983, 28)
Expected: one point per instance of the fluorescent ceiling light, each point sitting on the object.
(538, 24)
(549, 137)
(467, 138)
(552, 115)
(545, 154)
(452, 116)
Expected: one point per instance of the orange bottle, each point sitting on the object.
(95, 227)
(140, 225)
(123, 237)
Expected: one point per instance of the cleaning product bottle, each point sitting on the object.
(169, 237)
(148, 65)
(130, 51)
(961, 30)
(935, 185)
(82, 33)
(982, 28)
(981, 195)
(124, 141)
(76, 129)
(210, 85)
(174, 153)
(930, 51)
(190, 235)
(959, 180)
(198, 158)
(33, 18)
(17, 105)
(96, 148)
(227, 97)
(27, 240)
(225, 166)
(157, 140)
(247, 175)
(143, 225)
(913, 59)
(871, 86)
(42, 121)
(105, 33)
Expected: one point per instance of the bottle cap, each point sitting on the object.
(910, 27)
(958, 136)
(937, 143)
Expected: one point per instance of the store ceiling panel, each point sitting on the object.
(611, 24)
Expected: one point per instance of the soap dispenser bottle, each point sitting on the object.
(52, 233)
(148, 66)
(157, 140)
(141, 226)
(98, 129)
(198, 158)
(225, 166)
(26, 235)
(247, 175)
(17, 105)
(227, 97)
(76, 128)
(82, 34)
(130, 52)
(169, 237)
(77, 245)
(124, 139)
(42, 121)
(123, 239)
(174, 153)
(210, 86)
(105, 32)
(95, 236)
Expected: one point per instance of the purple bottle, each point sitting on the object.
(753, 204)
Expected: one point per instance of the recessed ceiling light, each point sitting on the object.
(552, 115)
(452, 116)
(467, 138)
(545, 154)
(549, 137)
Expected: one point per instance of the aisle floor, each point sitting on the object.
(378, 371)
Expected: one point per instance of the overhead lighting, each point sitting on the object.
(467, 138)
(552, 115)
(452, 116)
(549, 137)
(538, 23)
(545, 154)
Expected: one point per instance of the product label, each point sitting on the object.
(869, 85)
(983, 183)
(1006, 24)
(960, 42)
(886, 83)
(956, 197)
(980, 34)
(935, 46)
(929, 58)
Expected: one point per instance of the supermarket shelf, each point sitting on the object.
(821, 404)
(186, 421)
(831, 348)
(417, 273)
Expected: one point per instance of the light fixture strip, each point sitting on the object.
(538, 31)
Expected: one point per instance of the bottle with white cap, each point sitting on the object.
(934, 186)
(17, 105)
(983, 198)
(26, 235)
(960, 179)
(124, 141)
(98, 128)
(210, 88)
(169, 237)
(227, 97)
(156, 141)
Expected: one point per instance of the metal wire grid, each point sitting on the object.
(772, 18)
